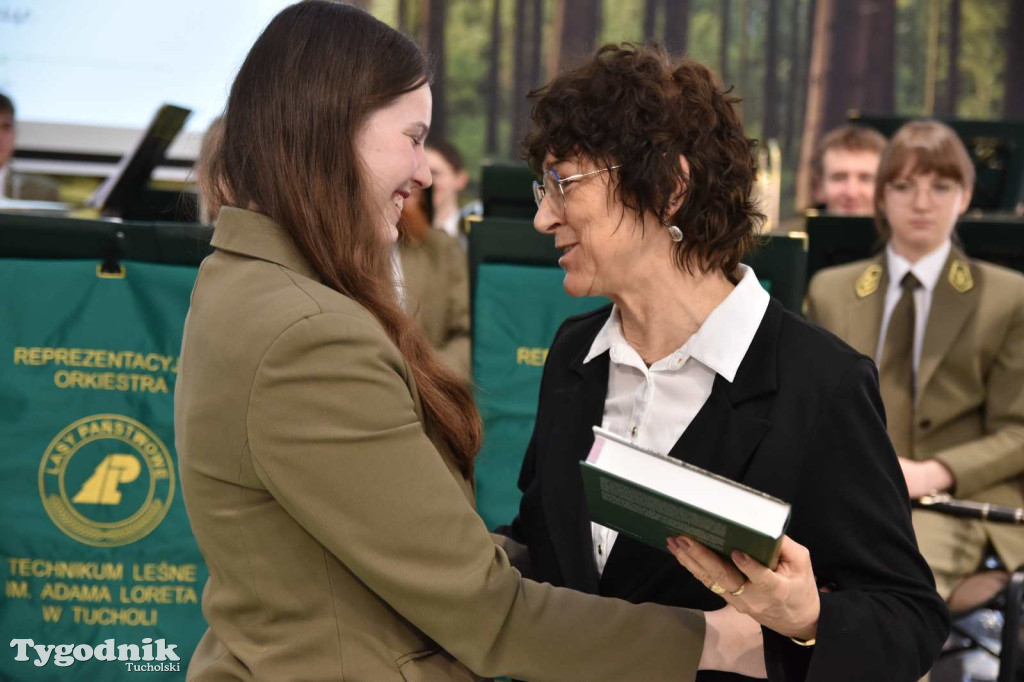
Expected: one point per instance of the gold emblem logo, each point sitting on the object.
(106, 480)
(960, 276)
(867, 283)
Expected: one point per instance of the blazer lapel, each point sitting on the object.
(565, 502)
(947, 316)
(731, 424)
(864, 316)
(721, 438)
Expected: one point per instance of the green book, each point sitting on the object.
(650, 497)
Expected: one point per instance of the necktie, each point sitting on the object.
(896, 374)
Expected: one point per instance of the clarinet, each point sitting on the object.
(943, 502)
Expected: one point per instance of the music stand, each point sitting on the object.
(119, 191)
(995, 147)
(835, 240)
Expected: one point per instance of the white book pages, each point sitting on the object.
(687, 484)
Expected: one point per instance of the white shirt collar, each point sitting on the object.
(721, 342)
(450, 225)
(927, 269)
(4, 172)
(608, 337)
(397, 274)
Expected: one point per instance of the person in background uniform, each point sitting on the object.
(435, 284)
(844, 167)
(947, 333)
(450, 178)
(326, 453)
(646, 190)
(212, 139)
(15, 185)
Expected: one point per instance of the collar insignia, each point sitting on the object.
(960, 276)
(867, 283)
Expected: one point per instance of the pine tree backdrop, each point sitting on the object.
(798, 65)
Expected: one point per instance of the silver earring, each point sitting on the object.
(675, 233)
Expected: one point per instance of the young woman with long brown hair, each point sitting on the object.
(326, 454)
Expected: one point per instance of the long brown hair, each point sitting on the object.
(309, 83)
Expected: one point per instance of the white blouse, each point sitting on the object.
(652, 406)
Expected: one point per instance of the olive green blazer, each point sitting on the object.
(30, 187)
(436, 286)
(342, 543)
(970, 383)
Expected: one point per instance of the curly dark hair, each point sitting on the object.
(636, 106)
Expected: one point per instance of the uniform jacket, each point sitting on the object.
(342, 543)
(30, 187)
(970, 384)
(436, 279)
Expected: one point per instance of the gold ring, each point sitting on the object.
(739, 591)
(717, 589)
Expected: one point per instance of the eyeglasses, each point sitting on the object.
(905, 191)
(553, 187)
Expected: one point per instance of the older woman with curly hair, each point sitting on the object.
(647, 179)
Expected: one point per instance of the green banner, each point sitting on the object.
(98, 556)
(517, 311)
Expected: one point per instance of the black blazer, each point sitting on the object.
(803, 421)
